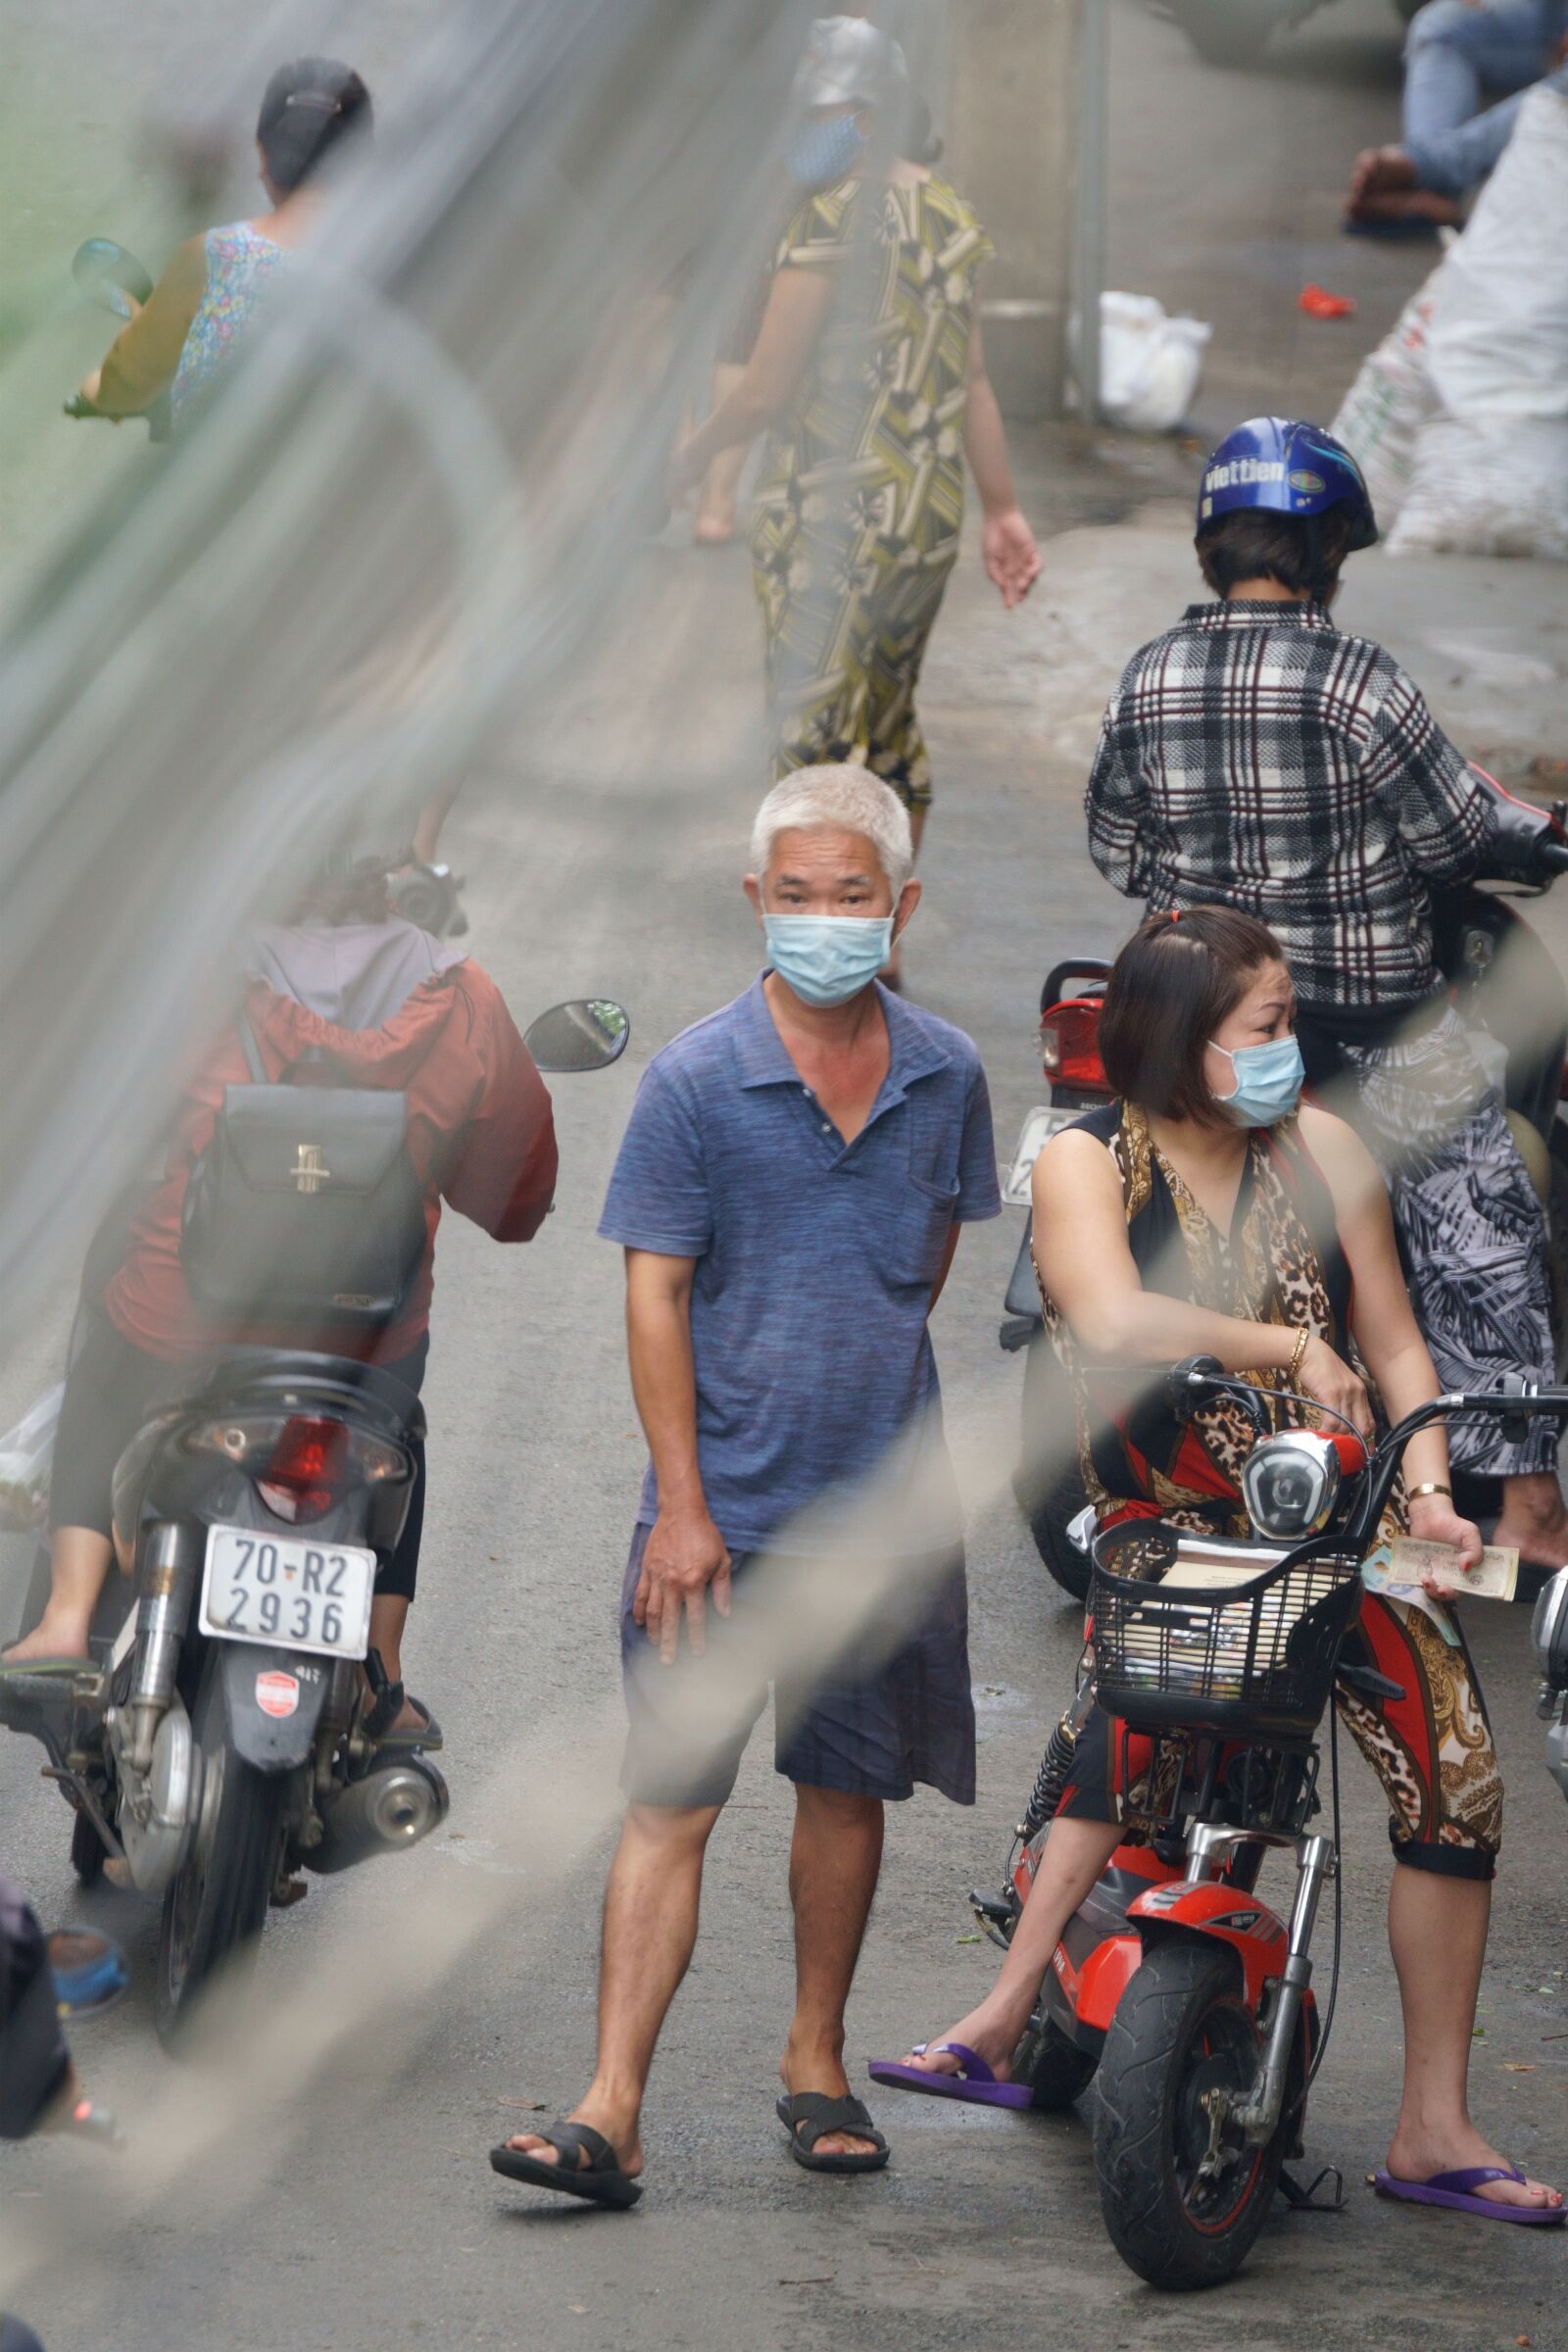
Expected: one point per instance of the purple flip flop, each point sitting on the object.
(974, 2081)
(1456, 2191)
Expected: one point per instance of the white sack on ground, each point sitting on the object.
(1490, 475)
(1390, 401)
(1149, 364)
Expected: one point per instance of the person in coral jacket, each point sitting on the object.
(388, 1006)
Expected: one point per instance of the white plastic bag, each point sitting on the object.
(1149, 364)
(26, 1461)
(1491, 468)
(1389, 402)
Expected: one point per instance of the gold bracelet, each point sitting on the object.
(1429, 1486)
(1296, 1353)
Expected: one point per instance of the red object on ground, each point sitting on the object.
(1318, 303)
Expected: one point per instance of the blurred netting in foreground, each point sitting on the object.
(407, 518)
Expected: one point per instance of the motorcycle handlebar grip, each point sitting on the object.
(1186, 1382)
(1552, 857)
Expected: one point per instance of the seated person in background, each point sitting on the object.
(1460, 54)
(1202, 1213)
(387, 1006)
(1255, 756)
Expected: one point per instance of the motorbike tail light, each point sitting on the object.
(309, 1469)
(1069, 1044)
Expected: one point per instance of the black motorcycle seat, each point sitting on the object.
(275, 1376)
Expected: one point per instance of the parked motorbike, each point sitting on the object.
(1514, 1003)
(216, 1741)
(1236, 32)
(1175, 1983)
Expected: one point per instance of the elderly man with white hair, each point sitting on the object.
(788, 1195)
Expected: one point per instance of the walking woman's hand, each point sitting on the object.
(1329, 1378)
(684, 1556)
(1012, 558)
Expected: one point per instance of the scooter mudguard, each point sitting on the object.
(273, 1699)
(1225, 1913)
(1093, 1990)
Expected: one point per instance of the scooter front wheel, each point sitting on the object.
(1182, 2200)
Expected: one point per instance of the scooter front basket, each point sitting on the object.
(1250, 1660)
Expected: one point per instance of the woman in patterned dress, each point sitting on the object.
(869, 368)
(1169, 1225)
(180, 340)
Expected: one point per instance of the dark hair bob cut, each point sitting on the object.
(1170, 988)
(1302, 552)
(309, 109)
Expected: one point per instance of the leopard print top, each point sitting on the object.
(1281, 1262)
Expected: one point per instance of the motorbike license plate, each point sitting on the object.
(284, 1591)
(1038, 1129)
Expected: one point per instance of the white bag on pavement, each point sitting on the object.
(26, 1463)
(1490, 474)
(1150, 363)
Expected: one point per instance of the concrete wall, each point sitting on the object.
(1011, 151)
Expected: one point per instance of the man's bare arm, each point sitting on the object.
(685, 1552)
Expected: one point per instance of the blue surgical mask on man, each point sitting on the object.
(1268, 1080)
(823, 151)
(827, 959)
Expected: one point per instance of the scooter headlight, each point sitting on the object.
(1290, 1484)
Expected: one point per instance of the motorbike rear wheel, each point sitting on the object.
(216, 1903)
(1181, 2030)
(1056, 2069)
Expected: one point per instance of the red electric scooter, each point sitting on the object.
(1176, 1983)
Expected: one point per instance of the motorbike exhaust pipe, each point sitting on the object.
(382, 1813)
(169, 1567)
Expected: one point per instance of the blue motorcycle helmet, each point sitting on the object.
(1288, 467)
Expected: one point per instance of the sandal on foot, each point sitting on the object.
(387, 1707)
(974, 2080)
(600, 2180)
(1456, 2191)
(809, 2116)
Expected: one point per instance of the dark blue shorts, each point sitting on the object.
(869, 1723)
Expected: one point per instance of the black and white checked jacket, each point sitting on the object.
(1257, 755)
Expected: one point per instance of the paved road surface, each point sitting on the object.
(605, 854)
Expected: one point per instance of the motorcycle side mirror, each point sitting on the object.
(106, 272)
(588, 1033)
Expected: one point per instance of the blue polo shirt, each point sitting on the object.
(814, 1259)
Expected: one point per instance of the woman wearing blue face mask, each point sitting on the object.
(1208, 1212)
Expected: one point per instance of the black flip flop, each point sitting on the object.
(809, 2116)
(600, 2182)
